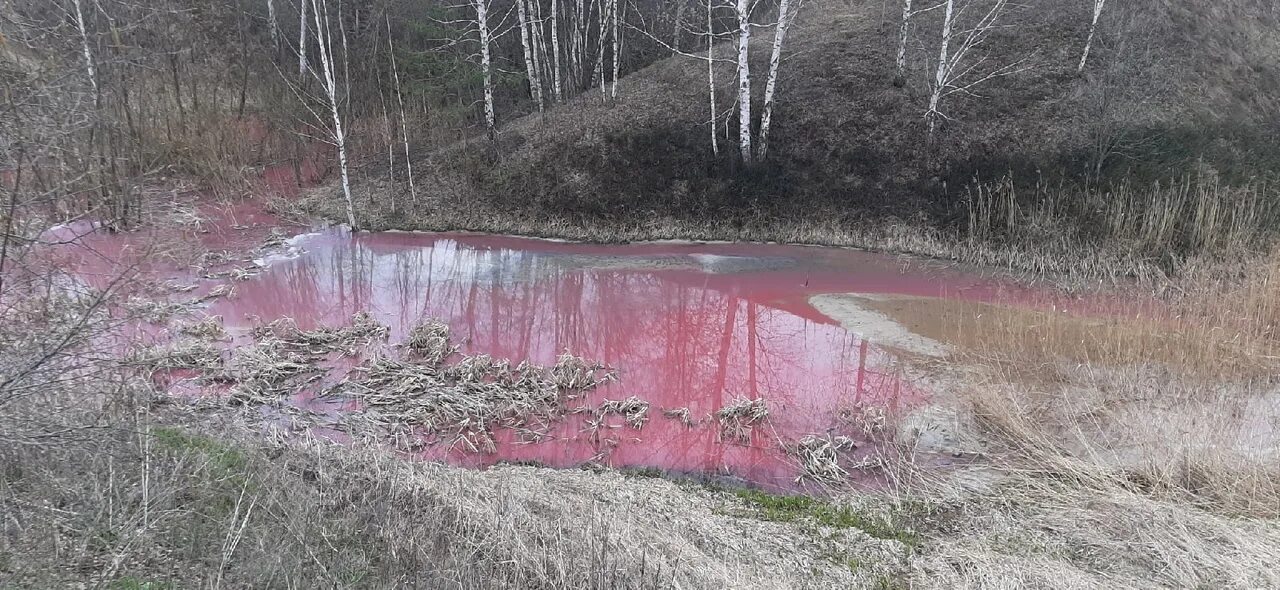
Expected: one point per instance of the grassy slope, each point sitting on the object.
(1172, 84)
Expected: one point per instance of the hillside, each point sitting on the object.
(1172, 91)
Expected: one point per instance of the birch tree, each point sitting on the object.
(87, 52)
(302, 38)
(956, 72)
(901, 78)
(404, 124)
(679, 26)
(555, 49)
(320, 15)
(617, 47)
(743, 11)
(603, 14)
(711, 79)
(530, 66)
(944, 65)
(1093, 28)
(482, 26)
(273, 24)
(785, 15)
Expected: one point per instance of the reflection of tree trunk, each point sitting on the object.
(528, 315)
(751, 349)
(470, 313)
(726, 342)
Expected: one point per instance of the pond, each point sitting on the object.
(689, 328)
(693, 330)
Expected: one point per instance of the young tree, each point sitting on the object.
(954, 74)
(90, 71)
(785, 16)
(404, 124)
(320, 14)
(1093, 28)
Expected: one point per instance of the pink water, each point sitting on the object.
(692, 326)
(686, 326)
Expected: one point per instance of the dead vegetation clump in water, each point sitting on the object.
(363, 331)
(466, 400)
(870, 420)
(153, 311)
(268, 371)
(820, 458)
(633, 409)
(684, 415)
(209, 328)
(576, 374)
(469, 398)
(180, 354)
(739, 418)
(430, 341)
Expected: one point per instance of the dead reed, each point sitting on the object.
(739, 418)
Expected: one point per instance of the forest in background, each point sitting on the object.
(975, 120)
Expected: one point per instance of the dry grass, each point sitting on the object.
(633, 409)
(430, 341)
(1120, 452)
(739, 418)
(820, 458)
(209, 328)
(180, 354)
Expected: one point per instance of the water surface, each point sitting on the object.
(692, 326)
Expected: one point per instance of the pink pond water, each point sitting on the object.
(686, 326)
(692, 326)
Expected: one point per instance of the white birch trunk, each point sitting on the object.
(603, 14)
(346, 56)
(404, 124)
(555, 49)
(901, 78)
(273, 25)
(617, 49)
(482, 20)
(580, 39)
(744, 79)
(785, 16)
(88, 53)
(318, 8)
(944, 57)
(711, 80)
(1093, 28)
(540, 43)
(302, 38)
(530, 65)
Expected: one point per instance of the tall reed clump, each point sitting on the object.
(1161, 225)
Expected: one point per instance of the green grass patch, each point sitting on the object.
(222, 457)
(778, 508)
